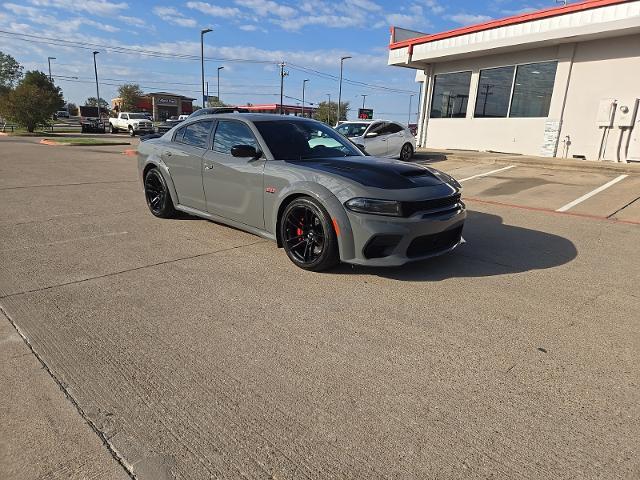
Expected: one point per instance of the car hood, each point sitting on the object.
(376, 172)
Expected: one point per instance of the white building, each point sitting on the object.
(561, 82)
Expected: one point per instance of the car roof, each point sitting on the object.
(255, 117)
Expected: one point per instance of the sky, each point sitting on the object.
(157, 45)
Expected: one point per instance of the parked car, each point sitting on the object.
(216, 110)
(168, 124)
(90, 120)
(381, 138)
(133, 123)
(62, 114)
(183, 117)
(299, 183)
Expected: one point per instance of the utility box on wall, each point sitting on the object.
(626, 113)
(606, 112)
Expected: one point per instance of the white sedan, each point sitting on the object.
(381, 138)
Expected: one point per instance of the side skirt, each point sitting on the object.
(225, 221)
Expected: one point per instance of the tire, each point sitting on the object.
(157, 195)
(113, 129)
(307, 235)
(406, 152)
(131, 132)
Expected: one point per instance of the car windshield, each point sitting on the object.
(137, 116)
(304, 140)
(352, 129)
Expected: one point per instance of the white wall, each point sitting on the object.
(601, 69)
(587, 72)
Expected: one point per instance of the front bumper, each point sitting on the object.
(392, 241)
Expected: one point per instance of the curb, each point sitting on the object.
(53, 143)
(551, 163)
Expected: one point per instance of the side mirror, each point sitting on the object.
(371, 135)
(245, 151)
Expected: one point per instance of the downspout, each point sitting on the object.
(426, 114)
(564, 100)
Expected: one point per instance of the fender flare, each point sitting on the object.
(164, 171)
(332, 205)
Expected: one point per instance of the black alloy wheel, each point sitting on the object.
(157, 195)
(307, 235)
(406, 152)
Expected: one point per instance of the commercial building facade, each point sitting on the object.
(161, 105)
(561, 82)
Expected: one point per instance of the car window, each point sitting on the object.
(377, 128)
(352, 129)
(394, 128)
(196, 134)
(304, 140)
(179, 134)
(125, 117)
(230, 134)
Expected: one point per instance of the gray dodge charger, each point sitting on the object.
(300, 183)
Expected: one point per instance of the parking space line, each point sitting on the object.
(487, 173)
(591, 193)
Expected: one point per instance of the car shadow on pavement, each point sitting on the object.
(491, 248)
(429, 157)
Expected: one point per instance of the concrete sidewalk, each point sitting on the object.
(431, 155)
(42, 434)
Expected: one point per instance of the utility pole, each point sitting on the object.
(219, 68)
(329, 109)
(342, 59)
(282, 75)
(202, 32)
(207, 90)
(410, 98)
(95, 69)
(49, 60)
(487, 91)
(304, 82)
(363, 99)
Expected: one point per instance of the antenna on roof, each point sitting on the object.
(563, 2)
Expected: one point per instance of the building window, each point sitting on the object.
(450, 95)
(533, 89)
(494, 92)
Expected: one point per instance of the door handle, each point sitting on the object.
(208, 167)
(168, 153)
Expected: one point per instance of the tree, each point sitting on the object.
(10, 72)
(328, 112)
(91, 102)
(33, 102)
(215, 102)
(72, 108)
(130, 95)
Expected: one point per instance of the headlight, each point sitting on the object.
(374, 206)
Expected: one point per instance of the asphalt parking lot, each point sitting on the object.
(186, 349)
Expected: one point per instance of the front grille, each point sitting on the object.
(436, 204)
(437, 242)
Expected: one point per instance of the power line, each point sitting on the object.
(157, 54)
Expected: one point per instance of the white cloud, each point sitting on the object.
(213, 10)
(135, 21)
(34, 15)
(267, 7)
(367, 5)
(434, 6)
(171, 15)
(99, 7)
(248, 28)
(468, 19)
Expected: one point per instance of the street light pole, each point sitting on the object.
(49, 60)
(202, 32)
(219, 68)
(95, 69)
(304, 82)
(342, 59)
(329, 109)
(364, 96)
(410, 98)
